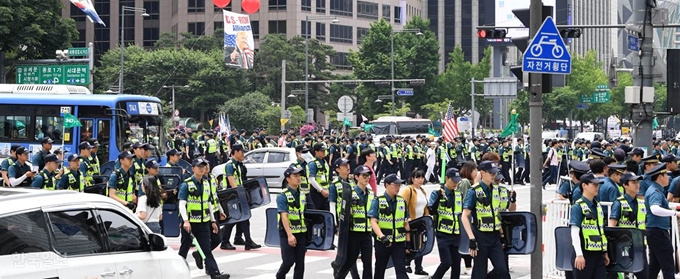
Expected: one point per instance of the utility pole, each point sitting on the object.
(536, 122)
(643, 75)
(283, 91)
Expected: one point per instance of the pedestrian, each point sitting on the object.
(389, 220)
(446, 206)
(149, 207)
(291, 205)
(416, 204)
(587, 232)
(431, 158)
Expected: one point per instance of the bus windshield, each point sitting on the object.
(146, 129)
(384, 128)
(400, 127)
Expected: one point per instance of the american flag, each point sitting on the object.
(450, 125)
(230, 40)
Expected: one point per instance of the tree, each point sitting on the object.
(454, 83)
(240, 110)
(586, 74)
(32, 29)
(423, 54)
(271, 116)
(619, 94)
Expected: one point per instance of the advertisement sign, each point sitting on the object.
(239, 46)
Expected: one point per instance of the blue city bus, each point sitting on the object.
(29, 112)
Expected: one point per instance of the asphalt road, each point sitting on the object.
(264, 262)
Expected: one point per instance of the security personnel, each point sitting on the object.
(47, 178)
(389, 221)
(19, 173)
(73, 178)
(291, 205)
(447, 206)
(567, 189)
(646, 165)
(121, 183)
(138, 161)
(483, 203)
(94, 158)
(359, 239)
(319, 177)
(611, 189)
(302, 153)
(658, 225)
(195, 207)
(4, 166)
(409, 156)
(211, 149)
(85, 165)
(587, 232)
(629, 211)
(173, 158)
(127, 146)
(37, 160)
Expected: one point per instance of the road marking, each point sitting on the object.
(277, 264)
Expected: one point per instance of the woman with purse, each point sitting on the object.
(416, 203)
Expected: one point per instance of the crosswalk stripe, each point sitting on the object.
(275, 265)
(268, 275)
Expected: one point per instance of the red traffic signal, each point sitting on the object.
(492, 33)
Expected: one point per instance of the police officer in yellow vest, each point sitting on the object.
(73, 178)
(291, 205)
(9, 161)
(211, 149)
(483, 204)
(303, 159)
(94, 159)
(446, 206)
(389, 221)
(359, 238)
(629, 211)
(195, 208)
(121, 183)
(86, 166)
(319, 178)
(587, 231)
(47, 177)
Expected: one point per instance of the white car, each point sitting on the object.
(65, 234)
(268, 162)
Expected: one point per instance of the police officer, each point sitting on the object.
(47, 178)
(73, 178)
(37, 160)
(483, 203)
(121, 183)
(94, 158)
(446, 205)
(567, 188)
(4, 166)
(195, 207)
(173, 158)
(211, 149)
(658, 224)
(587, 231)
(85, 165)
(319, 178)
(629, 211)
(19, 173)
(389, 220)
(611, 189)
(302, 153)
(359, 237)
(291, 205)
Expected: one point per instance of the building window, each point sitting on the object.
(397, 14)
(341, 7)
(81, 39)
(341, 33)
(77, 14)
(228, 8)
(196, 6)
(386, 12)
(307, 5)
(255, 26)
(277, 5)
(153, 9)
(218, 25)
(196, 28)
(321, 31)
(151, 35)
(361, 32)
(367, 10)
(277, 27)
(306, 29)
(340, 61)
(175, 7)
(321, 6)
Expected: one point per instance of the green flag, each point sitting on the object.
(368, 127)
(346, 122)
(512, 126)
(71, 121)
(655, 124)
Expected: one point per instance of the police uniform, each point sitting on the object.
(568, 187)
(304, 186)
(588, 216)
(293, 203)
(9, 161)
(238, 171)
(46, 179)
(72, 179)
(447, 208)
(211, 147)
(122, 181)
(94, 158)
(484, 203)
(392, 218)
(646, 181)
(658, 227)
(38, 158)
(18, 170)
(320, 171)
(611, 190)
(86, 166)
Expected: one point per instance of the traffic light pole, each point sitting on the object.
(536, 122)
(642, 113)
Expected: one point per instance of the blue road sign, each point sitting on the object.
(405, 92)
(547, 53)
(582, 106)
(633, 43)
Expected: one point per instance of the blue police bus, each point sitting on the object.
(29, 112)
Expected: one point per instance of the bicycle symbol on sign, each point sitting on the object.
(537, 49)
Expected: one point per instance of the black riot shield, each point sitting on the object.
(320, 226)
(421, 238)
(625, 248)
(257, 192)
(170, 226)
(235, 204)
(520, 233)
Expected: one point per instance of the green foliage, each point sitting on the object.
(33, 29)
(436, 111)
(398, 111)
(271, 115)
(240, 110)
(454, 83)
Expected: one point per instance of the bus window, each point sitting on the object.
(103, 136)
(413, 127)
(147, 129)
(383, 128)
(52, 127)
(86, 130)
(14, 127)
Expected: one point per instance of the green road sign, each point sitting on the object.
(601, 97)
(75, 74)
(586, 99)
(78, 52)
(597, 87)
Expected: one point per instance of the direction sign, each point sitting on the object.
(405, 92)
(582, 106)
(602, 87)
(633, 43)
(78, 52)
(547, 52)
(74, 74)
(287, 114)
(600, 97)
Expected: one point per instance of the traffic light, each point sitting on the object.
(492, 33)
(522, 42)
(570, 33)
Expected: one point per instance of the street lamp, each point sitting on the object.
(384, 97)
(122, 37)
(294, 93)
(408, 30)
(334, 19)
(173, 96)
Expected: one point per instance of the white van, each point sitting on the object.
(65, 234)
(589, 136)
